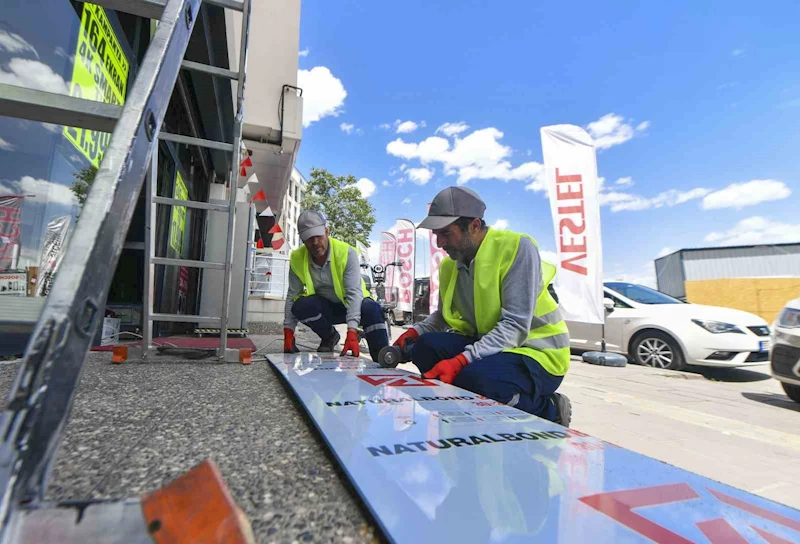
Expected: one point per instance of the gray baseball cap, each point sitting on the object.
(310, 224)
(450, 204)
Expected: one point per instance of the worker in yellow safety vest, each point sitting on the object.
(498, 331)
(326, 289)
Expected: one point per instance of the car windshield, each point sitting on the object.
(641, 294)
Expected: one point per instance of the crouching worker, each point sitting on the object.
(509, 341)
(326, 289)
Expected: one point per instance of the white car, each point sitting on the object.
(786, 349)
(657, 330)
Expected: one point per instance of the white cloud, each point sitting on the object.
(477, 156)
(756, 230)
(630, 202)
(740, 195)
(347, 128)
(647, 277)
(304, 52)
(386, 183)
(407, 127)
(51, 127)
(420, 176)
(624, 182)
(5, 146)
(451, 129)
(366, 186)
(664, 252)
(323, 94)
(43, 191)
(33, 74)
(549, 256)
(14, 43)
(611, 129)
(406, 201)
(736, 52)
(500, 224)
(385, 126)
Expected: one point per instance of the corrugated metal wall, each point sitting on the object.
(669, 275)
(747, 262)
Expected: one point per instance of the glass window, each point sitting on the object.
(641, 294)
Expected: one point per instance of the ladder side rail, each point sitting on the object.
(43, 390)
(150, 212)
(234, 176)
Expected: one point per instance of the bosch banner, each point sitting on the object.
(437, 254)
(406, 246)
(435, 463)
(571, 169)
(388, 254)
(10, 229)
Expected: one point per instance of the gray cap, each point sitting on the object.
(450, 204)
(310, 224)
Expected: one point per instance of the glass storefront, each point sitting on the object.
(46, 170)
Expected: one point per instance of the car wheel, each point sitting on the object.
(792, 390)
(657, 349)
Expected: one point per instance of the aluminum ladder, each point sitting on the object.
(42, 393)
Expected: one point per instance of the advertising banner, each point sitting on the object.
(99, 73)
(55, 238)
(435, 463)
(387, 255)
(437, 254)
(571, 169)
(14, 283)
(178, 222)
(406, 247)
(10, 229)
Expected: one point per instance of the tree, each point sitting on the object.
(350, 217)
(83, 182)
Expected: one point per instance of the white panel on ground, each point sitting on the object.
(435, 463)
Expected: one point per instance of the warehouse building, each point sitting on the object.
(758, 279)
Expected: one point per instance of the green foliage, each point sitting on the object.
(83, 182)
(350, 216)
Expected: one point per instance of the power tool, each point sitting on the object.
(391, 356)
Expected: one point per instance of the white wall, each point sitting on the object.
(274, 44)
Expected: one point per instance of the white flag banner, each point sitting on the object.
(52, 252)
(406, 238)
(363, 253)
(387, 255)
(571, 169)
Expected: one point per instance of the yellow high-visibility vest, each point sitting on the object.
(298, 261)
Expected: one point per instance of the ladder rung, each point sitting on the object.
(191, 204)
(236, 5)
(187, 262)
(149, 9)
(59, 109)
(208, 69)
(188, 140)
(182, 318)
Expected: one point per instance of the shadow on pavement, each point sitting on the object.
(731, 375)
(774, 399)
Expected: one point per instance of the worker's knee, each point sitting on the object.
(370, 312)
(307, 307)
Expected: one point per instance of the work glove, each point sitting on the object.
(447, 370)
(351, 343)
(410, 334)
(289, 345)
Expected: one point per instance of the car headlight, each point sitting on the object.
(717, 327)
(789, 318)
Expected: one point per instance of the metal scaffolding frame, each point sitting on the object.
(43, 390)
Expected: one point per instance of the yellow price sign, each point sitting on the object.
(99, 73)
(178, 223)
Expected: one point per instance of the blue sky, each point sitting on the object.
(696, 106)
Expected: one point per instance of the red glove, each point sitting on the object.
(288, 341)
(410, 334)
(447, 370)
(351, 343)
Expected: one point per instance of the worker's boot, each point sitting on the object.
(328, 344)
(563, 409)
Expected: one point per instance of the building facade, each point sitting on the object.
(46, 170)
(759, 279)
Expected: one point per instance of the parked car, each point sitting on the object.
(786, 349)
(657, 330)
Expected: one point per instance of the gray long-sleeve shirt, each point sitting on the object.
(323, 286)
(520, 290)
